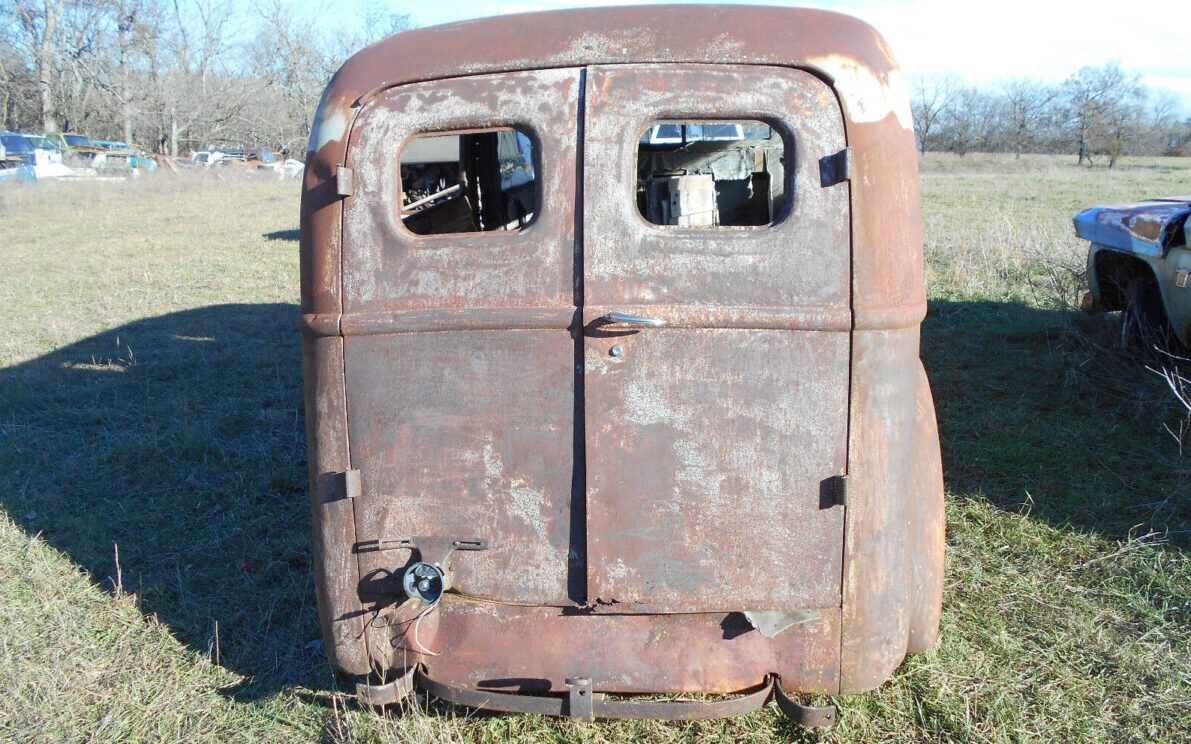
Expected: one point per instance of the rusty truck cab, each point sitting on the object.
(611, 325)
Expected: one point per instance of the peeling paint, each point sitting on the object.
(869, 96)
(329, 126)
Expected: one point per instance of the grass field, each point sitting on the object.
(154, 562)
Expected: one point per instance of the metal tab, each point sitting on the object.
(579, 700)
(835, 168)
(351, 484)
(771, 622)
(1180, 277)
(378, 696)
(805, 715)
(344, 181)
(834, 491)
(634, 320)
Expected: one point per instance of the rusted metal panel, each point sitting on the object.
(708, 443)
(926, 539)
(877, 554)
(840, 49)
(462, 434)
(336, 571)
(801, 261)
(389, 268)
(1141, 227)
(707, 452)
(534, 649)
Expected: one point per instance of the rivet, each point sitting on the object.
(616, 350)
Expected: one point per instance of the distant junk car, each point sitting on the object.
(1139, 262)
(611, 326)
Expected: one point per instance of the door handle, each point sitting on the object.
(634, 320)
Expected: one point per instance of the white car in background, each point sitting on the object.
(47, 158)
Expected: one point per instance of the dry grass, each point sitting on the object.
(150, 398)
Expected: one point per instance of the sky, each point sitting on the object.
(982, 42)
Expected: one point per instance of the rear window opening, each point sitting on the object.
(711, 173)
(468, 182)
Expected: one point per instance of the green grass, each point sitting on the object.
(150, 400)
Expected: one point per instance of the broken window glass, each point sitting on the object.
(468, 182)
(711, 173)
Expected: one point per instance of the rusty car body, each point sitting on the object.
(1139, 263)
(566, 442)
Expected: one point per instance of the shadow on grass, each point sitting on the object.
(179, 438)
(290, 235)
(1034, 418)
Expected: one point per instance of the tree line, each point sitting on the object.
(175, 75)
(1097, 114)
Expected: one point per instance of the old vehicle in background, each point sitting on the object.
(18, 149)
(47, 157)
(611, 355)
(14, 167)
(114, 146)
(77, 150)
(1139, 263)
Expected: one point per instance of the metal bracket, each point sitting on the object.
(378, 696)
(834, 491)
(582, 703)
(579, 704)
(351, 484)
(835, 168)
(771, 622)
(344, 181)
(805, 715)
(435, 550)
(579, 701)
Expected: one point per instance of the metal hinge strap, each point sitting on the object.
(837, 487)
(345, 181)
(806, 715)
(378, 696)
(835, 168)
(351, 484)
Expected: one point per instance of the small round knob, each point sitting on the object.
(616, 350)
(424, 581)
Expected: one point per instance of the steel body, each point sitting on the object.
(652, 430)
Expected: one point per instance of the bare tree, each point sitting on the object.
(1164, 132)
(296, 59)
(929, 99)
(1099, 103)
(970, 122)
(39, 25)
(18, 87)
(1027, 104)
(1123, 126)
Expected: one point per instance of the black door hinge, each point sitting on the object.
(834, 492)
(835, 168)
